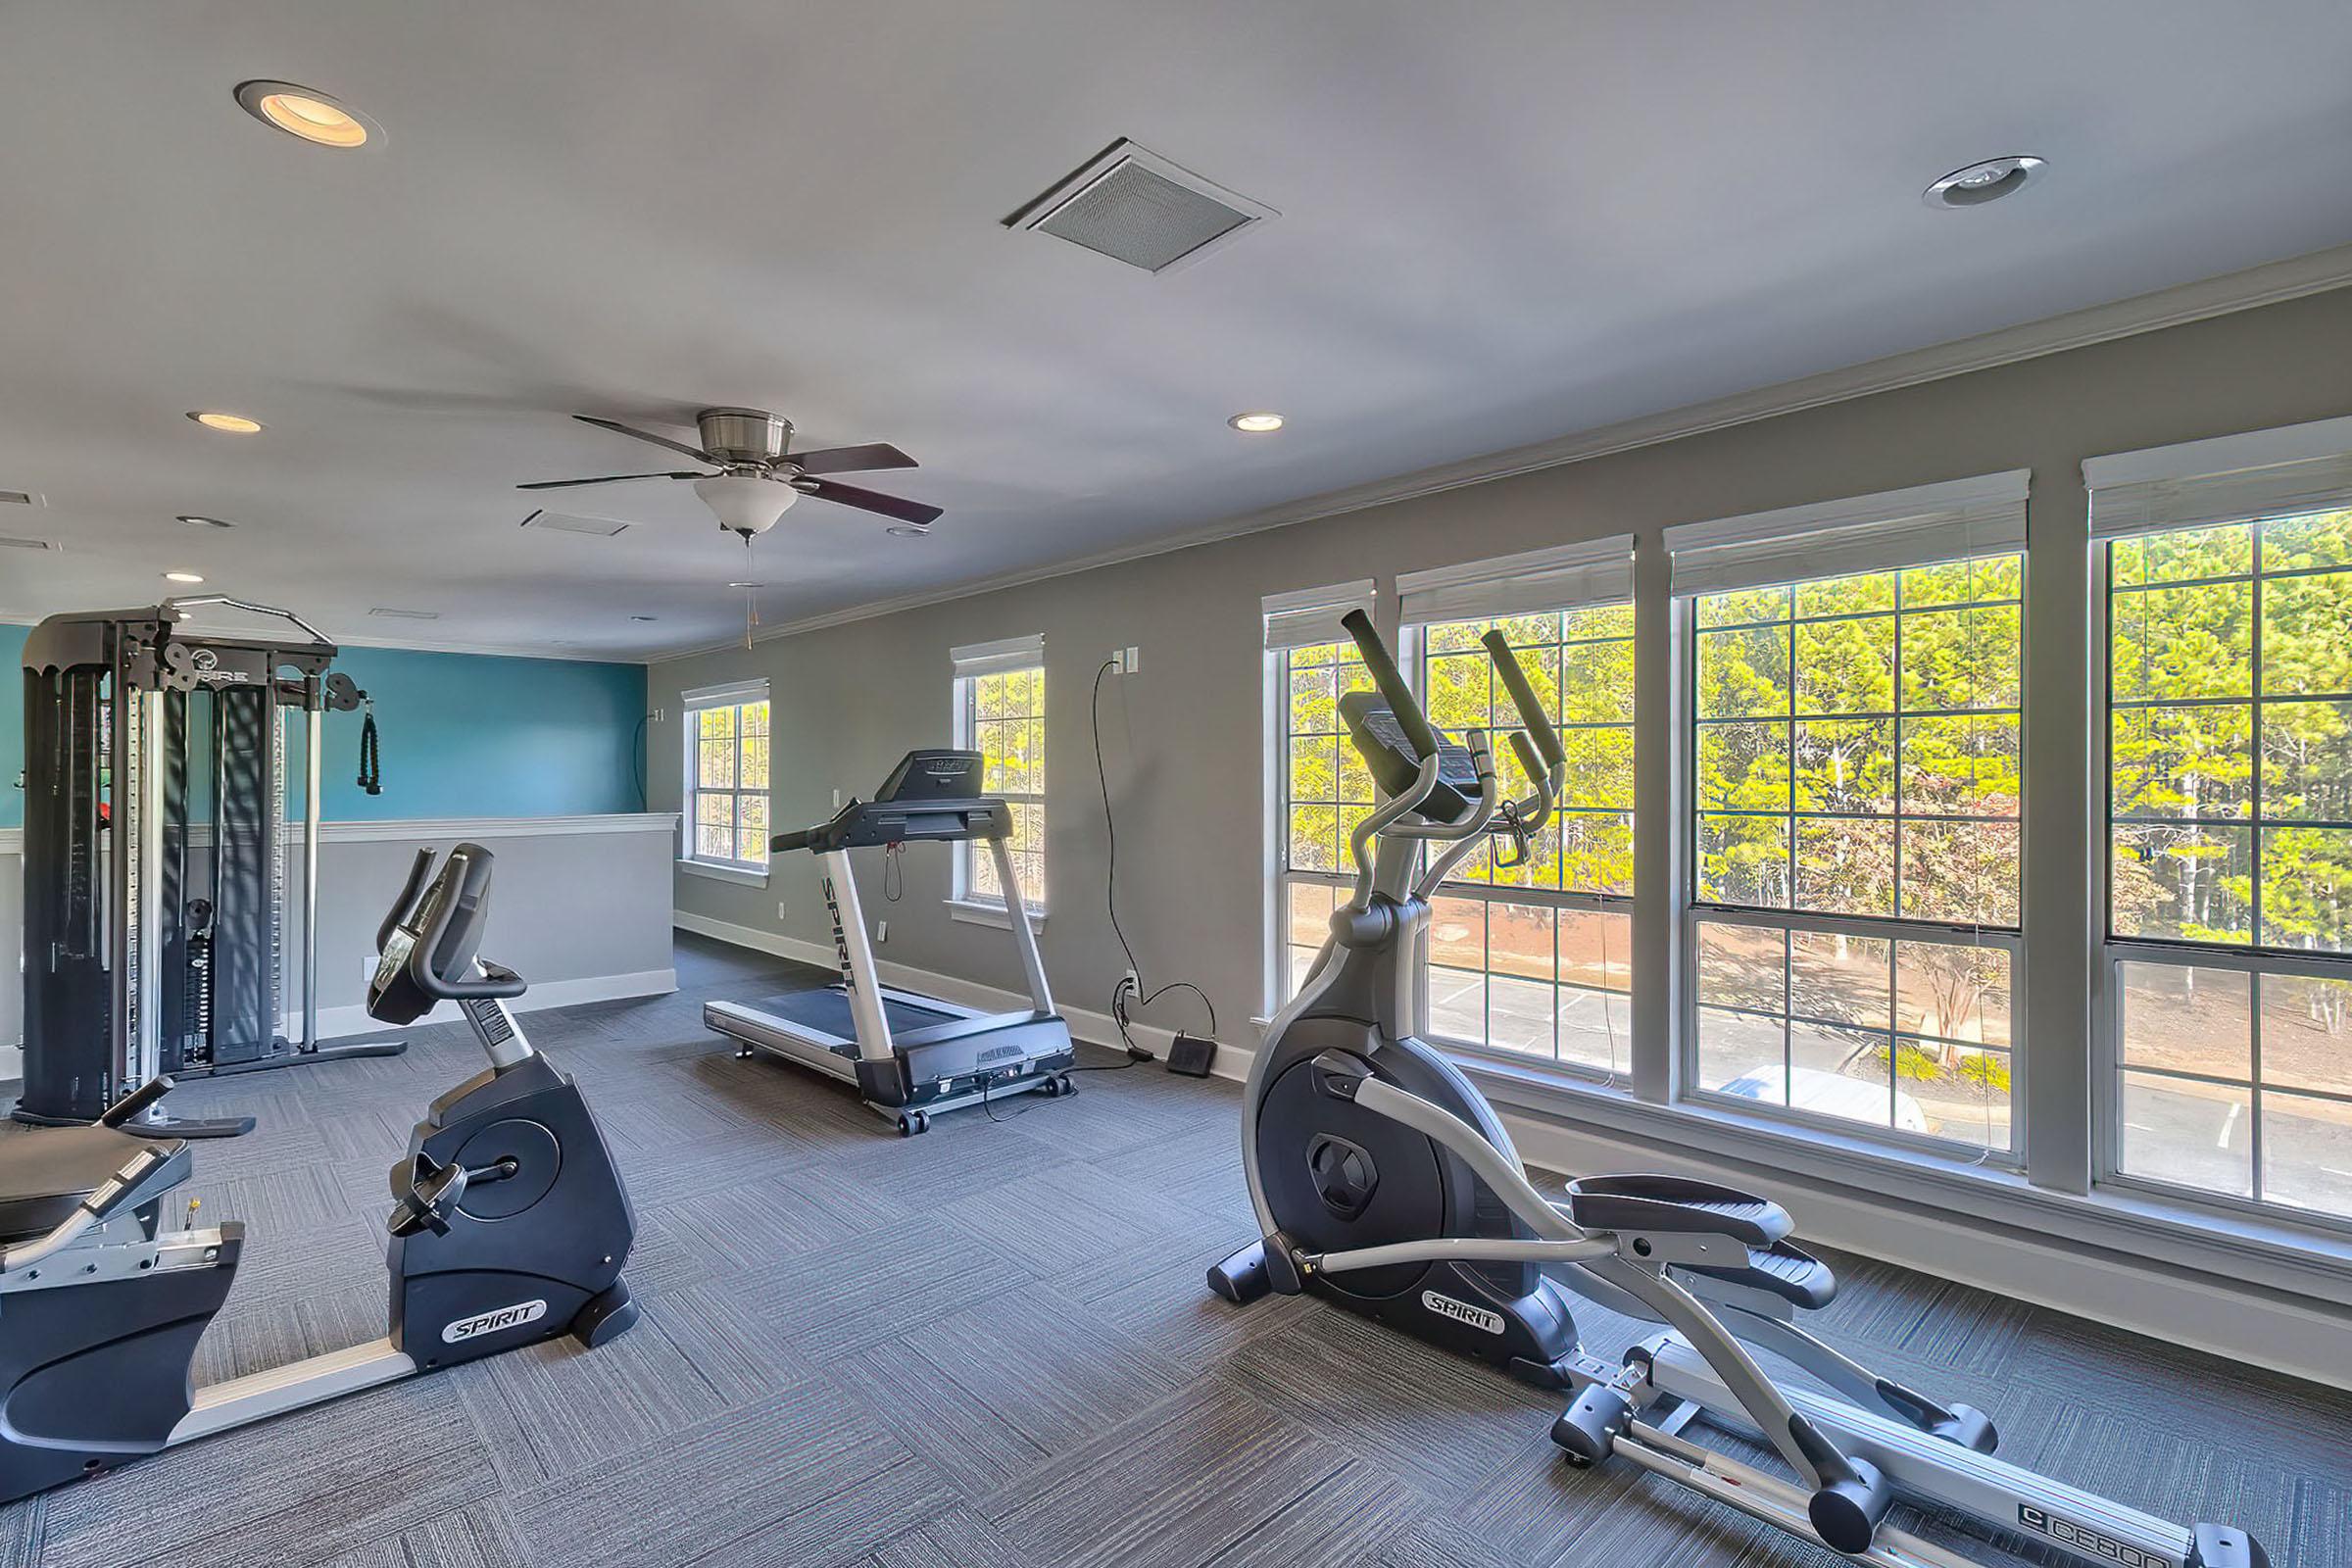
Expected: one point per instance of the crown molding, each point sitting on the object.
(581, 655)
(2271, 283)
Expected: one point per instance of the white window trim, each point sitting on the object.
(1591, 572)
(2231, 478)
(1879, 532)
(1301, 617)
(722, 874)
(2224, 480)
(1535, 582)
(1886, 532)
(727, 694)
(969, 663)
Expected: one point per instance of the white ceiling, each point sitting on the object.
(1500, 222)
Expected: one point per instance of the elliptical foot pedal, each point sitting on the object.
(607, 1315)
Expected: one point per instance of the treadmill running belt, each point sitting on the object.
(825, 1010)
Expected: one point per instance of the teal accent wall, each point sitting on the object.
(469, 735)
(12, 724)
(463, 735)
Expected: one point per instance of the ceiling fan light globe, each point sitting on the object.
(746, 504)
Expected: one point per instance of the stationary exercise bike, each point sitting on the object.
(1384, 1181)
(508, 1226)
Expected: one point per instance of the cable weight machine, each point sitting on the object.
(157, 898)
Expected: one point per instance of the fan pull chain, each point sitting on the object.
(751, 595)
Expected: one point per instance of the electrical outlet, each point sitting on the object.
(1133, 983)
(1118, 660)
(1135, 660)
(881, 932)
(836, 800)
(781, 908)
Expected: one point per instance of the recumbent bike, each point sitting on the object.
(1384, 1181)
(509, 1225)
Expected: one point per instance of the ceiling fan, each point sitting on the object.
(759, 477)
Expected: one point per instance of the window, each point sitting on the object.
(1854, 791)
(1000, 713)
(1320, 786)
(726, 776)
(2228, 786)
(1535, 960)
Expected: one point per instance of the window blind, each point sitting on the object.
(2231, 478)
(726, 695)
(1570, 577)
(1879, 532)
(994, 658)
(1307, 616)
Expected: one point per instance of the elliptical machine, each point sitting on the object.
(1384, 1181)
(508, 1226)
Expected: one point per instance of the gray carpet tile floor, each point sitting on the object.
(992, 1346)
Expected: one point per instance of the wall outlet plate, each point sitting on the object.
(783, 911)
(881, 932)
(1135, 660)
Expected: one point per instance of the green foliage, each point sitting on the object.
(2208, 740)
(1845, 706)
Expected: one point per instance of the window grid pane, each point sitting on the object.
(1005, 721)
(727, 796)
(1888, 1032)
(1532, 962)
(1837, 719)
(2230, 826)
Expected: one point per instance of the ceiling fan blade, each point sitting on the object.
(851, 460)
(645, 435)
(610, 478)
(850, 495)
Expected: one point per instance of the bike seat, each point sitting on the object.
(1675, 1204)
(1788, 1273)
(45, 1172)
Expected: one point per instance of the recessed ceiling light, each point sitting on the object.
(232, 424)
(181, 577)
(206, 522)
(303, 112)
(908, 530)
(746, 585)
(1987, 181)
(645, 618)
(1255, 424)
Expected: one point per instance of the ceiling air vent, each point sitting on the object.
(406, 614)
(7, 543)
(569, 522)
(1134, 206)
(15, 498)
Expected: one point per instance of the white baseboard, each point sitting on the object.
(336, 1023)
(1087, 1024)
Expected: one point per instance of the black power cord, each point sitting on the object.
(1121, 991)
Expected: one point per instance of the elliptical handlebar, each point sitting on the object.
(1393, 689)
(1523, 697)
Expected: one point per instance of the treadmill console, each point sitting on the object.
(934, 775)
(932, 794)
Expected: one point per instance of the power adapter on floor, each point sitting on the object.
(1190, 1055)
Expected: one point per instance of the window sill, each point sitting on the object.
(2309, 1263)
(977, 911)
(723, 874)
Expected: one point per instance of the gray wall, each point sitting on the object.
(1183, 736)
(578, 909)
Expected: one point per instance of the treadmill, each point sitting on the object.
(909, 1055)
